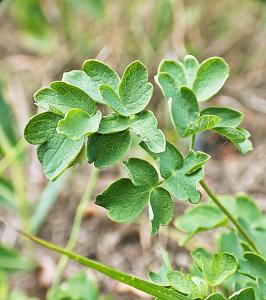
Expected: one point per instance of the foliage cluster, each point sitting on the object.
(75, 126)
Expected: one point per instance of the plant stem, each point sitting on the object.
(192, 141)
(223, 208)
(77, 223)
(148, 287)
(229, 215)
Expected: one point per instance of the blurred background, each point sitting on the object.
(41, 39)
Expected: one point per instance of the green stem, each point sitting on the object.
(223, 208)
(150, 288)
(77, 223)
(192, 142)
(229, 215)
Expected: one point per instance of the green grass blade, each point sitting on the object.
(155, 290)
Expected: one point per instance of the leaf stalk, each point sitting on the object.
(239, 227)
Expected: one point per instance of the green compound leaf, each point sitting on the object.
(111, 98)
(168, 161)
(190, 66)
(184, 105)
(201, 256)
(167, 84)
(181, 282)
(94, 74)
(215, 296)
(79, 79)
(78, 123)
(229, 117)
(113, 123)
(233, 134)
(193, 286)
(144, 177)
(210, 78)
(196, 160)
(144, 125)
(62, 97)
(247, 208)
(229, 242)
(238, 136)
(90, 82)
(40, 128)
(205, 79)
(244, 294)
(184, 110)
(200, 218)
(216, 268)
(245, 146)
(135, 91)
(222, 266)
(175, 69)
(161, 208)
(57, 154)
(181, 175)
(182, 183)
(205, 122)
(105, 149)
(253, 265)
(141, 172)
(161, 277)
(124, 200)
